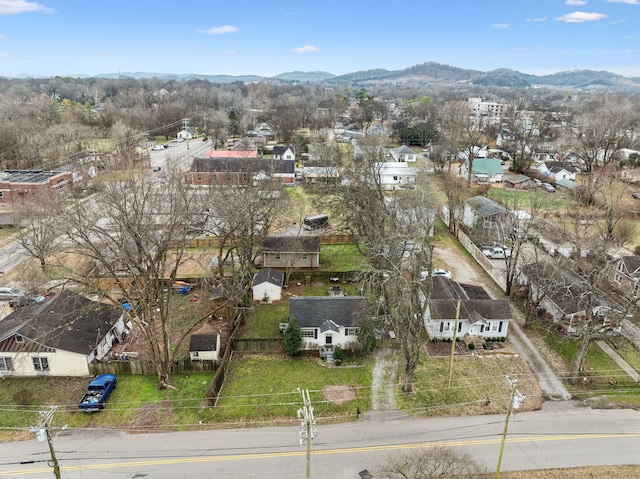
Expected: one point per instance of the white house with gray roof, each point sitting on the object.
(327, 321)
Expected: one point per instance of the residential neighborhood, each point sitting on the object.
(365, 252)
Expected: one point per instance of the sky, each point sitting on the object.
(225, 37)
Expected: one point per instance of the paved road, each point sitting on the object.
(561, 435)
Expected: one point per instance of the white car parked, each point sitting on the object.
(436, 272)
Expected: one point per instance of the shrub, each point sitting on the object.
(338, 354)
(292, 341)
(471, 346)
(23, 397)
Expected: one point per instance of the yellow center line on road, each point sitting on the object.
(392, 447)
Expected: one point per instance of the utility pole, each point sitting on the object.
(43, 434)
(514, 403)
(453, 343)
(308, 425)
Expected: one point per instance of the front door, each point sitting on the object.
(328, 340)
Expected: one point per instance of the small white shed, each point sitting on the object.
(267, 285)
(204, 347)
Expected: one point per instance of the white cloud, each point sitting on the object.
(630, 2)
(12, 57)
(305, 49)
(1, 37)
(229, 52)
(14, 7)
(219, 30)
(500, 25)
(102, 54)
(576, 2)
(580, 17)
(538, 19)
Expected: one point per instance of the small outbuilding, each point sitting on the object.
(267, 285)
(204, 347)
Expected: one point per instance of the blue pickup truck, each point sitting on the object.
(98, 392)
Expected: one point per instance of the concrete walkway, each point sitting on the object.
(625, 366)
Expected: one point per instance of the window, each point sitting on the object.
(617, 278)
(41, 364)
(308, 333)
(636, 288)
(214, 177)
(447, 326)
(278, 255)
(199, 177)
(620, 266)
(494, 326)
(18, 338)
(305, 256)
(6, 364)
(350, 331)
(1, 194)
(328, 339)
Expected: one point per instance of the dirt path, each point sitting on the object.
(384, 381)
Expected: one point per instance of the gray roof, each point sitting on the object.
(203, 342)
(632, 263)
(292, 244)
(485, 207)
(268, 275)
(28, 176)
(470, 309)
(446, 289)
(66, 321)
(315, 311)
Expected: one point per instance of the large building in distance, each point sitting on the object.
(20, 185)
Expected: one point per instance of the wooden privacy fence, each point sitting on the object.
(133, 366)
(258, 346)
(213, 242)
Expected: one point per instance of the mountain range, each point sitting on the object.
(429, 72)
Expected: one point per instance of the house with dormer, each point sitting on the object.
(478, 316)
(327, 321)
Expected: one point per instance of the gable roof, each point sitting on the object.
(404, 150)
(485, 207)
(486, 166)
(556, 166)
(516, 179)
(203, 342)
(292, 244)
(230, 154)
(66, 321)
(281, 150)
(568, 184)
(631, 263)
(317, 311)
(268, 275)
(446, 289)
(470, 309)
(242, 165)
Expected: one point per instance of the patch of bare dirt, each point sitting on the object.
(153, 417)
(339, 395)
(452, 260)
(438, 349)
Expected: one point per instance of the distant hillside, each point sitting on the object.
(429, 72)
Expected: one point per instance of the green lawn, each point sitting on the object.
(262, 389)
(263, 321)
(340, 258)
(473, 380)
(525, 198)
(135, 403)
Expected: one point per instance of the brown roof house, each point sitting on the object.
(291, 252)
(480, 316)
(58, 336)
(239, 171)
(626, 275)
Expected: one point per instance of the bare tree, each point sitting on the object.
(135, 235)
(429, 463)
(462, 131)
(456, 190)
(393, 231)
(39, 227)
